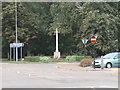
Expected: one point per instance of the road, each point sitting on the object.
(57, 75)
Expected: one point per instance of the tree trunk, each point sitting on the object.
(28, 53)
(8, 56)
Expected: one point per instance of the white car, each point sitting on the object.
(108, 61)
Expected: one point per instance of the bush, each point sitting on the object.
(37, 58)
(4, 59)
(60, 56)
(63, 57)
(86, 62)
(75, 58)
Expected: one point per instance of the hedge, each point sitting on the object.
(86, 62)
(76, 58)
(49, 59)
(37, 58)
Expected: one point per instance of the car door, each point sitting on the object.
(116, 60)
(119, 60)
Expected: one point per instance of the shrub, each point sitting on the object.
(60, 56)
(63, 57)
(4, 59)
(44, 58)
(37, 58)
(86, 62)
(75, 58)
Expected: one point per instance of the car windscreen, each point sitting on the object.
(109, 56)
(117, 56)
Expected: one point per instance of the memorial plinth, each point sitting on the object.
(57, 55)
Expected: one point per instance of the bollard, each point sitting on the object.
(94, 64)
(102, 64)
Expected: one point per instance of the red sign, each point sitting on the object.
(93, 39)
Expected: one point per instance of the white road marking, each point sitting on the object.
(29, 75)
(18, 72)
(91, 87)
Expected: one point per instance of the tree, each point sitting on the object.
(101, 19)
(45, 44)
(75, 21)
(64, 15)
(27, 24)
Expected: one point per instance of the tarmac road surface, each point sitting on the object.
(56, 75)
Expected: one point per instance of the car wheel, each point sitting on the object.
(108, 65)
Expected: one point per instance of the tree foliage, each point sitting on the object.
(37, 23)
(100, 19)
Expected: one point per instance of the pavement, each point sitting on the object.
(56, 75)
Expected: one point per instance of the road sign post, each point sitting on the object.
(10, 53)
(84, 42)
(14, 45)
(21, 53)
(16, 29)
(93, 40)
(14, 53)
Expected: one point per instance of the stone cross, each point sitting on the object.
(56, 53)
(56, 40)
